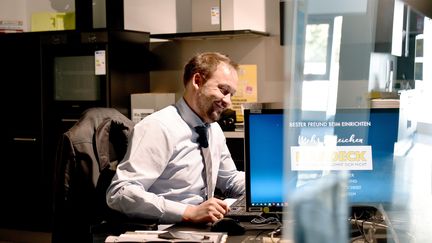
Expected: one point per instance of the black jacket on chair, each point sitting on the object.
(87, 157)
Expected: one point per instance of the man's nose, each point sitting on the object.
(227, 100)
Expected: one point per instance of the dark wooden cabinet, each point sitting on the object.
(34, 117)
(236, 146)
(23, 182)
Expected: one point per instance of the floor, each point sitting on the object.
(18, 236)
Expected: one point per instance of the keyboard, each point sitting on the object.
(238, 211)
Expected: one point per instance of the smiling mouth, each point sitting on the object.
(219, 107)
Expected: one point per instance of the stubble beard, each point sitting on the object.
(208, 107)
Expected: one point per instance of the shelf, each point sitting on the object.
(385, 103)
(234, 134)
(208, 35)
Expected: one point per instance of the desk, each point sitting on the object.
(256, 232)
(253, 233)
(260, 235)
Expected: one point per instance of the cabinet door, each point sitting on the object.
(23, 181)
(390, 27)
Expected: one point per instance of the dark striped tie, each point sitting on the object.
(205, 151)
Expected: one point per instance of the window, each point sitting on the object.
(321, 63)
(318, 46)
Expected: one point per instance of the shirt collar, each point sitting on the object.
(188, 115)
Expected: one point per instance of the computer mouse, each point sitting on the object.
(228, 225)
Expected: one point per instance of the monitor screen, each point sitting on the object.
(264, 159)
(360, 141)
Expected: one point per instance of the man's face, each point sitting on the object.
(214, 96)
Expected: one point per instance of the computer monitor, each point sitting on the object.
(360, 141)
(285, 150)
(264, 161)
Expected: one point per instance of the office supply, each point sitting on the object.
(228, 225)
(238, 210)
(169, 236)
(227, 120)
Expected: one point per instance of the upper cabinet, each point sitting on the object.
(391, 27)
(191, 18)
(397, 25)
(196, 16)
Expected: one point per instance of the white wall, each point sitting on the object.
(13, 10)
(23, 9)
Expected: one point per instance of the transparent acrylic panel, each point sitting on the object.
(366, 113)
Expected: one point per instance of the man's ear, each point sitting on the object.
(197, 81)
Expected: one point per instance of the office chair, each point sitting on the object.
(87, 156)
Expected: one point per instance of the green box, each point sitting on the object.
(46, 21)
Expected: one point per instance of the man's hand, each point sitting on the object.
(208, 211)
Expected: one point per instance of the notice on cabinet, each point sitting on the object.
(215, 16)
(100, 67)
(246, 89)
(139, 114)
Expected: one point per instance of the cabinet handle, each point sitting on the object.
(25, 139)
(407, 30)
(69, 120)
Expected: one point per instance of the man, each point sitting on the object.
(163, 175)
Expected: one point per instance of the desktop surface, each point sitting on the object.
(252, 233)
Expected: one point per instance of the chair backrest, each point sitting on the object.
(87, 157)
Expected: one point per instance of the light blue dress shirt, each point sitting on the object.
(162, 171)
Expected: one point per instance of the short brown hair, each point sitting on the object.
(205, 64)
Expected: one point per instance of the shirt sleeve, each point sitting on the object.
(146, 159)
